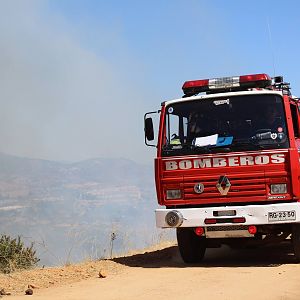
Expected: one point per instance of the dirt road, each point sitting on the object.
(266, 273)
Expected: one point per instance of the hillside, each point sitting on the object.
(70, 210)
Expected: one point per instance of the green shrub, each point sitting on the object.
(14, 255)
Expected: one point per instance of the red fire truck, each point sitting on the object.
(227, 167)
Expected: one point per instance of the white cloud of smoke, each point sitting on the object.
(58, 99)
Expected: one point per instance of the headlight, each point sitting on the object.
(173, 194)
(279, 188)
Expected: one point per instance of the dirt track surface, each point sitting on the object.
(266, 273)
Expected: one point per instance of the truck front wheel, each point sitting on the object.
(296, 240)
(191, 247)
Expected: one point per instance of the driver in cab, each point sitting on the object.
(195, 127)
(273, 120)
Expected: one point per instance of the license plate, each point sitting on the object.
(282, 216)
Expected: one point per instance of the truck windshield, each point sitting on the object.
(236, 123)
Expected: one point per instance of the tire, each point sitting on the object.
(296, 241)
(191, 247)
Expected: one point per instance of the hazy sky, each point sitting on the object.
(76, 77)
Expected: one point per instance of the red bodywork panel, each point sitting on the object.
(250, 173)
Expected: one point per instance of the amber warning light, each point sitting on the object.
(226, 84)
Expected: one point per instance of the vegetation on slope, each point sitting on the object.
(15, 255)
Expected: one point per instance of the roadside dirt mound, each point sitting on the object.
(18, 282)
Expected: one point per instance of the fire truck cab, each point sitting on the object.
(227, 167)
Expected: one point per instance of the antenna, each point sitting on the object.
(271, 46)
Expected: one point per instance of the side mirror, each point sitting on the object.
(149, 131)
(149, 127)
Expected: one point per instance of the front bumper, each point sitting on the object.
(253, 214)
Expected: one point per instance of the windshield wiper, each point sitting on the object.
(243, 144)
(201, 149)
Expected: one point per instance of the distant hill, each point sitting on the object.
(71, 209)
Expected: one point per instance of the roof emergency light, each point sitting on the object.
(226, 84)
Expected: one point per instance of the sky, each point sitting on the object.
(76, 77)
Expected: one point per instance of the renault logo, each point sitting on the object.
(199, 188)
(223, 185)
